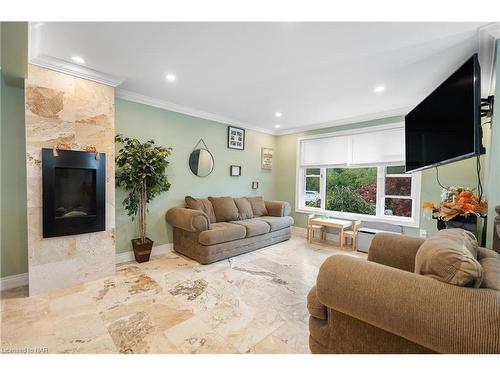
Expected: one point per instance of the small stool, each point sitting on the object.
(314, 227)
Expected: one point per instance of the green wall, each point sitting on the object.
(461, 173)
(14, 257)
(183, 132)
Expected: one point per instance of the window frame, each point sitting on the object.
(300, 207)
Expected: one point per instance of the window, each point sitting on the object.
(397, 193)
(312, 197)
(358, 176)
(351, 190)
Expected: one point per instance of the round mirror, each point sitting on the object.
(201, 162)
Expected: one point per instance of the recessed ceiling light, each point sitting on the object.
(278, 114)
(379, 89)
(78, 59)
(170, 77)
(277, 126)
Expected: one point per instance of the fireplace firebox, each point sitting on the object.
(73, 192)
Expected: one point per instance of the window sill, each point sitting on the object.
(352, 216)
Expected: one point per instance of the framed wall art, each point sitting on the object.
(266, 158)
(235, 138)
(235, 170)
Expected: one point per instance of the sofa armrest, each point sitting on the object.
(278, 208)
(395, 250)
(316, 308)
(188, 219)
(439, 316)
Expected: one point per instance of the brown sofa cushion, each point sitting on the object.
(491, 273)
(244, 208)
(258, 206)
(222, 232)
(225, 209)
(490, 261)
(486, 253)
(254, 227)
(450, 256)
(277, 223)
(201, 205)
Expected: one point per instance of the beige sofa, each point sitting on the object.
(411, 296)
(212, 229)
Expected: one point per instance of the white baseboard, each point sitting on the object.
(128, 256)
(14, 281)
(302, 232)
(9, 282)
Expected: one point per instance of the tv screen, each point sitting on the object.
(446, 126)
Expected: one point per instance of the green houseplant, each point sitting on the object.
(141, 171)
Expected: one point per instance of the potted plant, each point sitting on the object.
(141, 171)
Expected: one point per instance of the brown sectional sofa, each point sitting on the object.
(212, 229)
(441, 295)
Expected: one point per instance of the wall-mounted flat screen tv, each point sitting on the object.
(446, 125)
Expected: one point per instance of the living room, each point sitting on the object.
(209, 188)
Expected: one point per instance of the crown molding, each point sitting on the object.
(169, 106)
(487, 36)
(348, 120)
(76, 70)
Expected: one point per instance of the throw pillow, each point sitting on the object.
(201, 205)
(450, 257)
(258, 206)
(244, 208)
(225, 209)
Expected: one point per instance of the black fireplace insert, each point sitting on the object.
(73, 192)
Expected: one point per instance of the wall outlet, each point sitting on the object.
(423, 233)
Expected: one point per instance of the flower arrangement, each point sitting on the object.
(457, 201)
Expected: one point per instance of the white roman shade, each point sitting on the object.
(378, 148)
(384, 146)
(324, 151)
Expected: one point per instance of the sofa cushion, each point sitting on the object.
(277, 223)
(491, 273)
(483, 253)
(258, 206)
(222, 232)
(225, 209)
(254, 227)
(244, 208)
(450, 256)
(201, 205)
(490, 261)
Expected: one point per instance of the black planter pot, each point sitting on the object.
(469, 223)
(142, 251)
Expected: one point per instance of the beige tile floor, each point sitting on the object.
(253, 303)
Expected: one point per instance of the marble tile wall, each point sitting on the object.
(60, 108)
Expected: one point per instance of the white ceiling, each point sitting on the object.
(242, 73)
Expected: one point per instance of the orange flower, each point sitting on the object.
(466, 196)
(428, 205)
(469, 207)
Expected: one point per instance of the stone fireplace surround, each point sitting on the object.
(60, 108)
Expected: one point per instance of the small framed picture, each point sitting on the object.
(235, 170)
(235, 138)
(266, 158)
